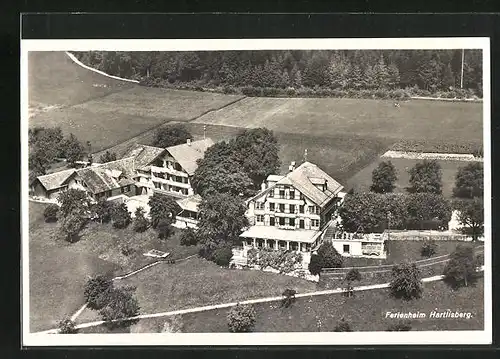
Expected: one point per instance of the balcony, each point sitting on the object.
(169, 170)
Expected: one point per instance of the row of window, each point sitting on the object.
(283, 195)
(287, 208)
(166, 187)
(285, 221)
(169, 177)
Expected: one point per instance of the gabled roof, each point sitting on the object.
(143, 154)
(108, 176)
(304, 178)
(56, 179)
(187, 154)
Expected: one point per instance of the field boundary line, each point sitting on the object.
(251, 301)
(166, 123)
(79, 63)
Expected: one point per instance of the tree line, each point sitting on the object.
(429, 71)
(422, 206)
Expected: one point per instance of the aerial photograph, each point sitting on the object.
(255, 191)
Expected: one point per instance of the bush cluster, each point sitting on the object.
(282, 260)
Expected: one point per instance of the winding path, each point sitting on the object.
(251, 301)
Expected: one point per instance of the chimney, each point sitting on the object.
(189, 142)
(263, 186)
(292, 166)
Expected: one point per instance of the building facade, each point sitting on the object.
(171, 170)
(291, 211)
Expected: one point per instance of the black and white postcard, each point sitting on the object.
(256, 191)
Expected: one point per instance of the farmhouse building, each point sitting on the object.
(109, 179)
(49, 186)
(291, 211)
(169, 170)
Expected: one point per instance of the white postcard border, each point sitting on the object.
(289, 338)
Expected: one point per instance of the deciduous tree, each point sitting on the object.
(161, 207)
(120, 216)
(172, 136)
(428, 210)
(471, 215)
(102, 209)
(384, 178)
(97, 291)
(50, 213)
(74, 200)
(71, 225)
(122, 306)
(461, 269)
(73, 150)
(469, 181)
(140, 221)
(425, 177)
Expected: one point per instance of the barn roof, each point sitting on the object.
(56, 179)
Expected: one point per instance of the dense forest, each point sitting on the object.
(372, 73)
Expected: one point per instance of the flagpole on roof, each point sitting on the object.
(204, 131)
(305, 155)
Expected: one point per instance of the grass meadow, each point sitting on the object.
(366, 311)
(102, 110)
(373, 118)
(362, 180)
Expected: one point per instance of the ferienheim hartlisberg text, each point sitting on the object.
(433, 314)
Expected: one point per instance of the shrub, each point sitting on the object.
(67, 326)
(315, 266)
(282, 260)
(188, 237)
(406, 282)
(121, 306)
(461, 269)
(222, 256)
(342, 326)
(164, 228)
(126, 249)
(329, 256)
(241, 319)
(399, 327)
(289, 297)
(50, 213)
(97, 291)
(353, 275)
(428, 248)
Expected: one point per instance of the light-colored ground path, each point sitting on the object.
(252, 301)
(432, 156)
(79, 63)
(80, 311)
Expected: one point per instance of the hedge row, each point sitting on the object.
(397, 94)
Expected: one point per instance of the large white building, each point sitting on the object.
(291, 211)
